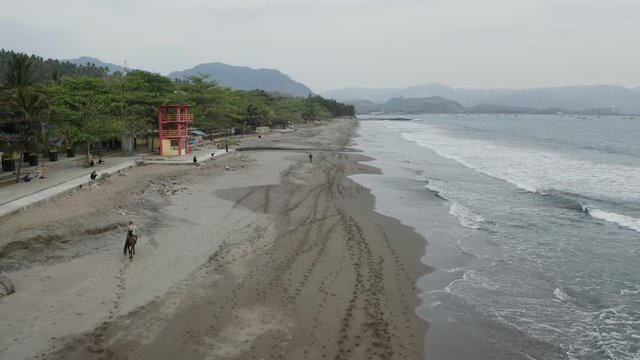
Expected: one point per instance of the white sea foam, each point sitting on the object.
(533, 170)
(585, 208)
(436, 189)
(530, 169)
(561, 295)
(521, 292)
(465, 216)
(624, 292)
(622, 220)
(464, 278)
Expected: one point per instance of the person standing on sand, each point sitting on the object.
(310, 157)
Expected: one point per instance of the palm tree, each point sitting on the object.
(29, 104)
(26, 104)
(19, 71)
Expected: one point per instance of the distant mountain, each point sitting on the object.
(502, 109)
(86, 60)
(400, 105)
(440, 105)
(235, 77)
(433, 104)
(366, 106)
(617, 99)
(378, 96)
(246, 78)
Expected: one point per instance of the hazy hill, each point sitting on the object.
(574, 98)
(615, 98)
(366, 106)
(235, 77)
(87, 60)
(246, 78)
(433, 104)
(440, 105)
(378, 96)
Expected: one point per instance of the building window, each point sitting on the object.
(174, 144)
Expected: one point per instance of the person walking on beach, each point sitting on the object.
(132, 239)
(195, 161)
(310, 157)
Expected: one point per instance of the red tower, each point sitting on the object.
(173, 122)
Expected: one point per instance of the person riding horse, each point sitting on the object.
(130, 242)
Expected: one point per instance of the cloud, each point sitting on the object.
(331, 43)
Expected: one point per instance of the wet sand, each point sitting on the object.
(276, 258)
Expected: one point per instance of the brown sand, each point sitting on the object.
(277, 258)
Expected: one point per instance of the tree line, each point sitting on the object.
(45, 70)
(43, 102)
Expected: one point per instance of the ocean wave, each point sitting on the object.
(625, 292)
(565, 200)
(530, 169)
(437, 190)
(568, 201)
(465, 277)
(622, 220)
(561, 295)
(466, 217)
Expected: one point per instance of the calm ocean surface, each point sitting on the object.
(534, 236)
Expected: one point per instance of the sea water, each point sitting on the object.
(534, 234)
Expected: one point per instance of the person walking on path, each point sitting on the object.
(310, 157)
(195, 161)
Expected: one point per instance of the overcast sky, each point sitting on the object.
(329, 44)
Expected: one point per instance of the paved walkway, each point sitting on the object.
(66, 174)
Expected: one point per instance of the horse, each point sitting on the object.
(130, 245)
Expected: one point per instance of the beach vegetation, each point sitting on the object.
(86, 111)
(47, 101)
(138, 93)
(51, 70)
(24, 109)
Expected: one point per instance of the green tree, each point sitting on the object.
(314, 110)
(86, 111)
(29, 105)
(288, 111)
(138, 95)
(19, 71)
(25, 107)
(214, 108)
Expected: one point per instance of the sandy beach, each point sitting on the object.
(258, 254)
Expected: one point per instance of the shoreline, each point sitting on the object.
(460, 301)
(285, 258)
